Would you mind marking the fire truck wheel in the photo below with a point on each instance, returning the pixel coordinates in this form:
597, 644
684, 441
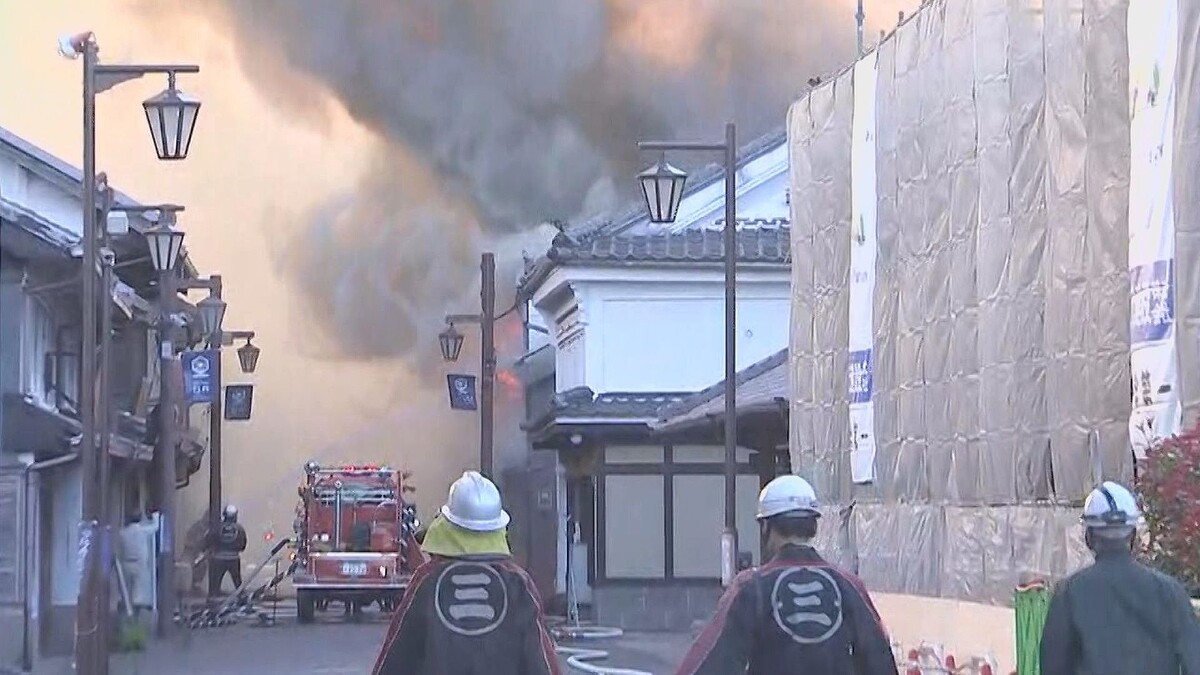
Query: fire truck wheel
306, 606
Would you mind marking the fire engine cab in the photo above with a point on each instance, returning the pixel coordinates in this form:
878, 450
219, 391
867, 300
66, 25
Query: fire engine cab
355, 538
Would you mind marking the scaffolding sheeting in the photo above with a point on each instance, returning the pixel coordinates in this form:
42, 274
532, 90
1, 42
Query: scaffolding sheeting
1000, 360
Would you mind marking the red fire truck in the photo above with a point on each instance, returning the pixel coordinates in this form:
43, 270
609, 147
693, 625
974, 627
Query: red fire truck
354, 538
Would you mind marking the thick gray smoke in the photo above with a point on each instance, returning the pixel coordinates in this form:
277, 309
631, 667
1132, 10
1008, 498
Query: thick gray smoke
517, 112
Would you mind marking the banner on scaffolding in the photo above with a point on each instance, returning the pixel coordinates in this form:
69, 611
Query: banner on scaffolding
863, 211
1153, 51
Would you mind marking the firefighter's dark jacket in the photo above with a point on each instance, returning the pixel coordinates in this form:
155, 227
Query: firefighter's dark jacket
1120, 617
229, 541
421, 640
787, 618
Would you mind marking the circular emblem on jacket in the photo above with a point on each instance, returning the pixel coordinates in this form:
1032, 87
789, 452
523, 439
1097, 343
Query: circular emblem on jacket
806, 603
471, 598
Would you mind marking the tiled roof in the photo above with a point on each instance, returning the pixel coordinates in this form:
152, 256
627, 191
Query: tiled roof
582, 403
759, 241
765, 382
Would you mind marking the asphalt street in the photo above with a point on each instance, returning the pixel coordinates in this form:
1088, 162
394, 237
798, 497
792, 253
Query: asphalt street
334, 645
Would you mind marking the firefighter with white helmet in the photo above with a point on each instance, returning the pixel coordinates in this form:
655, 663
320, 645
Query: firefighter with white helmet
225, 551
1118, 616
797, 613
470, 609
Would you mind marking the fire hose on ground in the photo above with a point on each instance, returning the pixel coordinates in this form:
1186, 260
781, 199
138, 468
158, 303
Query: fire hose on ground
578, 657
571, 628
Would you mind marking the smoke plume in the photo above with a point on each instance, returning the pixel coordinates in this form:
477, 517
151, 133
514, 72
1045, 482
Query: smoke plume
495, 117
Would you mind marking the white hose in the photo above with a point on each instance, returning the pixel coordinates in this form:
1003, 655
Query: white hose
578, 656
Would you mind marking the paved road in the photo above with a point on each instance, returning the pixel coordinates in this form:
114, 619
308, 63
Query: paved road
333, 645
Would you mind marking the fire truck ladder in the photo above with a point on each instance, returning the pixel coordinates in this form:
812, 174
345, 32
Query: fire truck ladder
241, 603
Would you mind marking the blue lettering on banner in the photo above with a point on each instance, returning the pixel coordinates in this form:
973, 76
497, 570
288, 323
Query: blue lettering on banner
1152, 301
860, 376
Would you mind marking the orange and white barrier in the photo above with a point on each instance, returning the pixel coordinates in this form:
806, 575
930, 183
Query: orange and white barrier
931, 659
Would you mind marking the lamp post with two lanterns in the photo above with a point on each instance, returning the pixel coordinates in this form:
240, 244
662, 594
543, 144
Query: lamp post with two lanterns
662, 186
212, 317
171, 117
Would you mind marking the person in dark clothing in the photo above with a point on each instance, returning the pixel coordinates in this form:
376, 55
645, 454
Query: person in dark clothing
1118, 616
225, 551
797, 613
469, 610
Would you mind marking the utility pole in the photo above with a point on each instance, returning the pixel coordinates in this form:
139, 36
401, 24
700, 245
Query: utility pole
452, 342
91, 657
487, 392
729, 537
214, 442
172, 118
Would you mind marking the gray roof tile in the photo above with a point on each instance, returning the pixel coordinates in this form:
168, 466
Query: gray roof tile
761, 383
582, 403
762, 241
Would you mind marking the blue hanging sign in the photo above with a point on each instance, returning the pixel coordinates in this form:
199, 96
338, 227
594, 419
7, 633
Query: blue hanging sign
201, 375
462, 392
239, 399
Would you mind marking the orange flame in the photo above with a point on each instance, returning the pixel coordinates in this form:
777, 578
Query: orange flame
509, 381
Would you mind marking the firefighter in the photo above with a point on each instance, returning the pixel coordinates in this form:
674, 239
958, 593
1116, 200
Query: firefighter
470, 610
1117, 615
225, 551
797, 613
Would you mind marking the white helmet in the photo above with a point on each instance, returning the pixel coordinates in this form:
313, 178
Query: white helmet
231, 512
788, 494
474, 504
1111, 506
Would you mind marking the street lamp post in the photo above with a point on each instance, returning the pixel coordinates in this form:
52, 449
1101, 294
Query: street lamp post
451, 342
91, 652
212, 316
662, 186
212, 313
166, 245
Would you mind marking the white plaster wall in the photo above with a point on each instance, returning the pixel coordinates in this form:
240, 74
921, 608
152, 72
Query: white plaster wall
647, 329
30, 191
52, 200
668, 334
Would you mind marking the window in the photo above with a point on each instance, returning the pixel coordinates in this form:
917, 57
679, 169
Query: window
661, 512
634, 537
37, 343
699, 518
699, 515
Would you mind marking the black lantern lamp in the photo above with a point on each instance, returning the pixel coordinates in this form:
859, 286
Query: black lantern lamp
248, 356
662, 186
172, 118
212, 314
452, 343
165, 244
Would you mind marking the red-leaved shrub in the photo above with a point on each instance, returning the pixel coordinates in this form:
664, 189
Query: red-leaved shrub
1169, 483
